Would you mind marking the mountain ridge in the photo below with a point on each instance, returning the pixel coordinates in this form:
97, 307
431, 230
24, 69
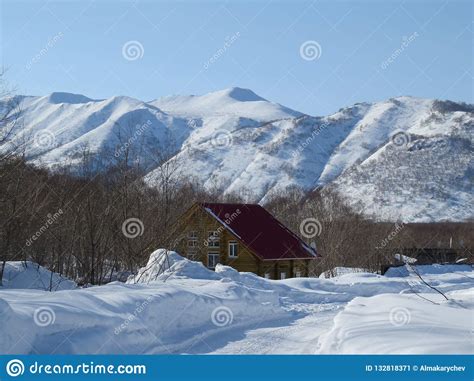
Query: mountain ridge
235, 141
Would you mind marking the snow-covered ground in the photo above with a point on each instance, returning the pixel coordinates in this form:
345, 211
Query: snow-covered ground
29, 275
177, 306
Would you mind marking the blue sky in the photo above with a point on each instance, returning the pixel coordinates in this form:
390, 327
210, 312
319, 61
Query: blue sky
356, 51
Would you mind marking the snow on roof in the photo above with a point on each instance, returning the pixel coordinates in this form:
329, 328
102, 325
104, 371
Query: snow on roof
209, 210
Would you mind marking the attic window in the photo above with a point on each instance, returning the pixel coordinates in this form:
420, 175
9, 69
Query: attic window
192, 234
233, 249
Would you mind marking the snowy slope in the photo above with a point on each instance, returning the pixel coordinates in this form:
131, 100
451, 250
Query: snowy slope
404, 158
190, 309
424, 173
257, 160
58, 128
243, 103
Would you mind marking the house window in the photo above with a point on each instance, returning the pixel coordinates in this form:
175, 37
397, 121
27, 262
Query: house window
282, 275
267, 275
233, 249
213, 239
193, 255
297, 274
212, 260
192, 239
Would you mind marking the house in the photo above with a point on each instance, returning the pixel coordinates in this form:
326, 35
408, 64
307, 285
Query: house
244, 236
426, 256
430, 255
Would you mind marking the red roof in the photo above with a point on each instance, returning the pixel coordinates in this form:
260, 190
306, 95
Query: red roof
260, 231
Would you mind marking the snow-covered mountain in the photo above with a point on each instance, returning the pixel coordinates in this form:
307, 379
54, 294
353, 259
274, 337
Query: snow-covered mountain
57, 129
406, 157
237, 102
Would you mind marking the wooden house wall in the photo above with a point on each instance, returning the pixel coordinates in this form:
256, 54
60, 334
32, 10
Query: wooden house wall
201, 222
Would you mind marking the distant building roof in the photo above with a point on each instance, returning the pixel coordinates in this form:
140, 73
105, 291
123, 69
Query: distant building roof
260, 231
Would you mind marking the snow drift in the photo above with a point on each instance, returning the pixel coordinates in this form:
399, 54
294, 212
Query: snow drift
400, 324
184, 304
29, 275
407, 270
163, 264
174, 305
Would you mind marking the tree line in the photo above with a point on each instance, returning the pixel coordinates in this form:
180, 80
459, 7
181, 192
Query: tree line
96, 226
92, 229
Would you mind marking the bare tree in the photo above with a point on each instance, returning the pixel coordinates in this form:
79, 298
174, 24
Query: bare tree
10, 110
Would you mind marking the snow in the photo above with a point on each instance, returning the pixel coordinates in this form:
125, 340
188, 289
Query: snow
174, 305
233, 101
29, 275
400, 324
337, 271
434, 187
404, 258
352, 149
209, 210
169, 314
60, 97
164, 264
407, 270
58, 127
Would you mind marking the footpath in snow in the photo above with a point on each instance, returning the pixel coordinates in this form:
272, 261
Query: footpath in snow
174, 305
